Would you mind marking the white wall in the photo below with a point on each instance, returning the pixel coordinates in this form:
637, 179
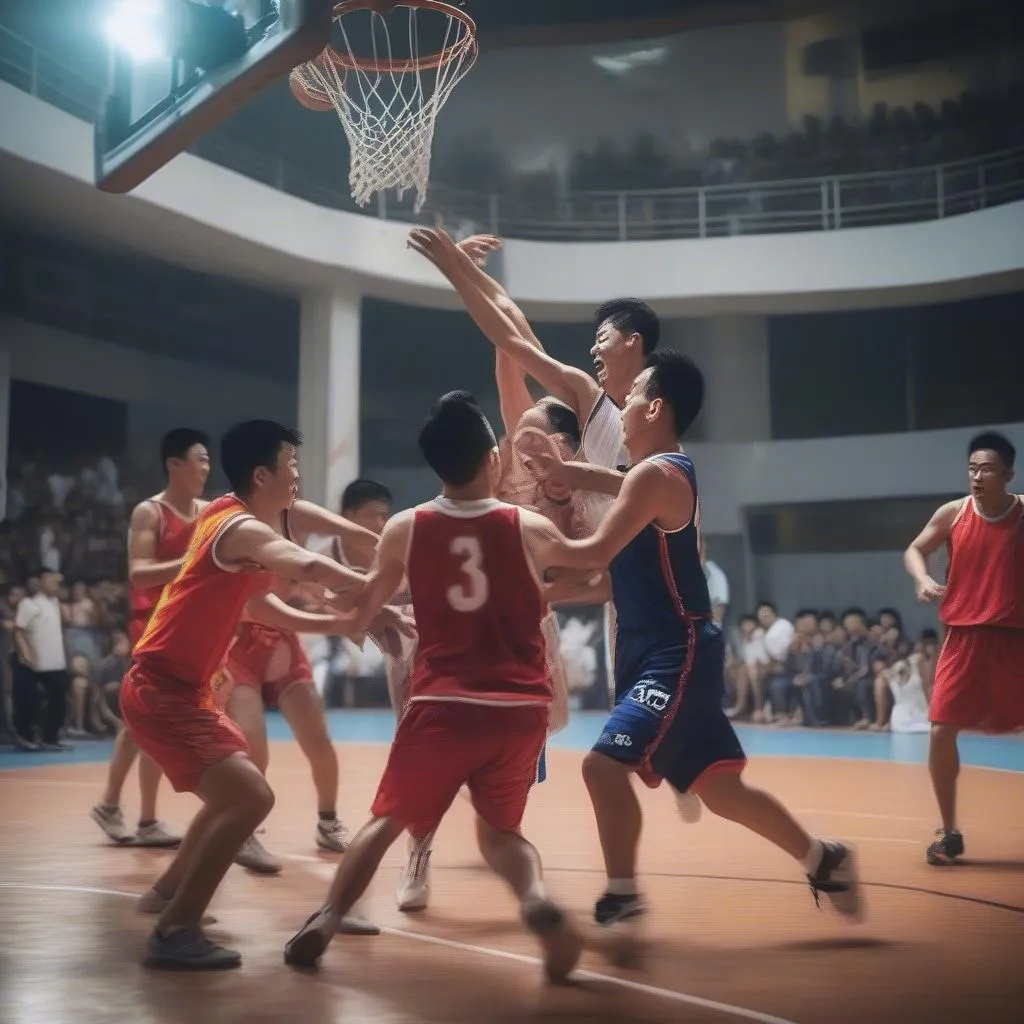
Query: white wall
731, 476
161, 393
865, 579
195, 208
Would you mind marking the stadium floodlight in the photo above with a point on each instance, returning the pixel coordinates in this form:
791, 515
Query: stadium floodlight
203, 36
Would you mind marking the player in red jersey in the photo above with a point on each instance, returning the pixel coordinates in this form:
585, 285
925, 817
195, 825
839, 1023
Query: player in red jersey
167, 696
159, 534
979, 678
480, 691
266, 667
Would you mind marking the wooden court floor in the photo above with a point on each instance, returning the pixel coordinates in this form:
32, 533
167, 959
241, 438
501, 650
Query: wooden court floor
733, 932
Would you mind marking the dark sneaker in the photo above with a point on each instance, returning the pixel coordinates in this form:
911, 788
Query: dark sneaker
612, 909
562, 943
838, 879
946, 848
188, 950
310, 941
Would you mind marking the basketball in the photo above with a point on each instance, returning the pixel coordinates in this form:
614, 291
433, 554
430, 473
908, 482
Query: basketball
306, 95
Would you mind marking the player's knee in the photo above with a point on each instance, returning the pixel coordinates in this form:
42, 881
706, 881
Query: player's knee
943, 734
598, 768
257, 798
722, 793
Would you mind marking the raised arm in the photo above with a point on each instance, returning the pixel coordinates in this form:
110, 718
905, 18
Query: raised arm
925, 544
388, 570
252, 543
574, 387
307, 518
144, 571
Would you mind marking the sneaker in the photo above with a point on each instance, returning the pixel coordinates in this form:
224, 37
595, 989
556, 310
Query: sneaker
562, 943
156, 834
312, 939
111, 820
611, 909
255, 858
414, 889
837, 877
689, 806
331, 835
946, 848
188, 950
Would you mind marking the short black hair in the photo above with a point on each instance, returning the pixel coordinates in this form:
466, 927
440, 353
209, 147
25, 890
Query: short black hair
631, 316
827, 614
177, 442
249, 445
858, 612
361, 492
676, 380
766, 604
562, 419
806, 613
993, 441
456, 438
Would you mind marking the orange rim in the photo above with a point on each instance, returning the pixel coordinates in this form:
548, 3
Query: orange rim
425, 63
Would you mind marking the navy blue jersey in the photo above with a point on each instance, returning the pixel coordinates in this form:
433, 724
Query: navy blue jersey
658, 582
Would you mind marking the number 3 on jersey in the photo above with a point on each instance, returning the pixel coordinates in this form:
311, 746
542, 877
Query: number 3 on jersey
471, 594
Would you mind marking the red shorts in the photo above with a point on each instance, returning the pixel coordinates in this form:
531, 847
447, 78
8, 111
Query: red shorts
179, 726
270, 660
441, 746
979, 679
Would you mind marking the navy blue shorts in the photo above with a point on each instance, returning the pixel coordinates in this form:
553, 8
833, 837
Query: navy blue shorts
668, 721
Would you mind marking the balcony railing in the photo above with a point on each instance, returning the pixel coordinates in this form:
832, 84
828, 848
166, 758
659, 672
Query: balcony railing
712, 211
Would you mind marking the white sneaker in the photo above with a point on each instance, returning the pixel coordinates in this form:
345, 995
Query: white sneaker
414, 890
689, 806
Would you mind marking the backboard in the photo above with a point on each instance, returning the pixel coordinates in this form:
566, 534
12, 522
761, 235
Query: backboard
225, 52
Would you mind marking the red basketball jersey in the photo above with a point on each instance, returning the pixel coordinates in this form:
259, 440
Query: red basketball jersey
193, 623
172, 543
478, 606
985, 585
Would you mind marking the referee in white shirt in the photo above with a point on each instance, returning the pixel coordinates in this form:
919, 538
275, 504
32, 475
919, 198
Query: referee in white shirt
41, 693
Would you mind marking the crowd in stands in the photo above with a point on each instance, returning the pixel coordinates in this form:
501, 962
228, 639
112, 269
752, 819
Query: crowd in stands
66, 531
825, 670
888, 139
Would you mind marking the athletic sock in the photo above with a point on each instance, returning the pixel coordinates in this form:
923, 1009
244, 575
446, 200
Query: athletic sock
812, 861
621, 887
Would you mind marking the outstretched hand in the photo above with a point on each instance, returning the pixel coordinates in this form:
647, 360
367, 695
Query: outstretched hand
540, 454
437, 246
479, 247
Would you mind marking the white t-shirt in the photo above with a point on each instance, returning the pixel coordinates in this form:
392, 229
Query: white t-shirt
718, 584
39, 618
777, 638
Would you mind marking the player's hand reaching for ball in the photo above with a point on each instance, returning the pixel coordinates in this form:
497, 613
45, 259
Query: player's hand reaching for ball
928, 591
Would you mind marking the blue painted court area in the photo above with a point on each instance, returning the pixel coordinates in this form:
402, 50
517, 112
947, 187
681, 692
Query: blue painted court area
378, 726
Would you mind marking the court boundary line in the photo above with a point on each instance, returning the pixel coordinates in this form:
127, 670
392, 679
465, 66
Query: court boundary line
671, 995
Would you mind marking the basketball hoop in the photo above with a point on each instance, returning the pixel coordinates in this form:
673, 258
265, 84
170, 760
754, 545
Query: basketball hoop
388, 102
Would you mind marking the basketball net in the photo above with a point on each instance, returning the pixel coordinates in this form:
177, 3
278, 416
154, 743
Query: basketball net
388, 104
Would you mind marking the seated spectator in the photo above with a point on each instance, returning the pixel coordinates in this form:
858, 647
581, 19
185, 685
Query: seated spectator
778, 635
111, 671
788, 678
748, 672
910, 704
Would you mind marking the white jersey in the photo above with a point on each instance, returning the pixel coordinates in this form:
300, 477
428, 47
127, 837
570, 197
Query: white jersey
602, 446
